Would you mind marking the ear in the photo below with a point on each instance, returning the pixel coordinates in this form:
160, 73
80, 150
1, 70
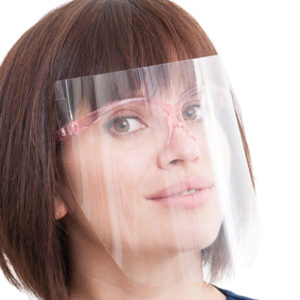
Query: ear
60, 208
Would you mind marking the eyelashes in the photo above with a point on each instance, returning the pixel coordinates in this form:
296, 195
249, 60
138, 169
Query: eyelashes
121, 126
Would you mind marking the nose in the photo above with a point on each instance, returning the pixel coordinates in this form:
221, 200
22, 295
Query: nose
181, 148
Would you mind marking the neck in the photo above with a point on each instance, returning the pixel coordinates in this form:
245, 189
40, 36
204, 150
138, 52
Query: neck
95, 275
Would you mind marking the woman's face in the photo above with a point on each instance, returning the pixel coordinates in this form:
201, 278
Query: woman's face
117, 165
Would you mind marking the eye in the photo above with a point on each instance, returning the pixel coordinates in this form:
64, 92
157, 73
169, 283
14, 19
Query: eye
193, 112
124, 125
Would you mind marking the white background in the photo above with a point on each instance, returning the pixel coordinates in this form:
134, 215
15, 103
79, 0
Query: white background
259, 41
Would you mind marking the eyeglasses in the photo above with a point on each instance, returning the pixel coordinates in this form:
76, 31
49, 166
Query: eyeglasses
144, 113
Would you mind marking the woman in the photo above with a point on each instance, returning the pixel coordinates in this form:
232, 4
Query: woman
117, 172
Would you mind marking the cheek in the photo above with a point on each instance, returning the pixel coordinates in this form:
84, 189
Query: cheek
128, 172
85, 167
226, 151
107, 186
220, 153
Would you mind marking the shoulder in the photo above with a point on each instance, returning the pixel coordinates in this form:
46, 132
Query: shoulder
232, 296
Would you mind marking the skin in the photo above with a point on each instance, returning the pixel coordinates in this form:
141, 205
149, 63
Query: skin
160, 247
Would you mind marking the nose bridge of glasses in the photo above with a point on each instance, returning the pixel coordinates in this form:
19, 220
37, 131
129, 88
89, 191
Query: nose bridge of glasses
174, 118
171, 111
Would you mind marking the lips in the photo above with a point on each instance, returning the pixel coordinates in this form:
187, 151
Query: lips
197, 183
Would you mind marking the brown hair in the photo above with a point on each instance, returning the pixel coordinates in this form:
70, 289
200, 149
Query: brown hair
84, 37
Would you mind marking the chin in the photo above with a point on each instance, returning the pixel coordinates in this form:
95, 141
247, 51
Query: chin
197, 242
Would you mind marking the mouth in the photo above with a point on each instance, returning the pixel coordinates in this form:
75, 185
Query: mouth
185, 194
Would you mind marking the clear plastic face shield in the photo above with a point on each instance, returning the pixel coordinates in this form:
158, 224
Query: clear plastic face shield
155, 162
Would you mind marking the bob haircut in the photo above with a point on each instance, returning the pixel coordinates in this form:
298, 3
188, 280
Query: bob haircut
81, 38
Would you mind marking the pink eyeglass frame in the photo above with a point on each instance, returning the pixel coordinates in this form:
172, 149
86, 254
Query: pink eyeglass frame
173, 113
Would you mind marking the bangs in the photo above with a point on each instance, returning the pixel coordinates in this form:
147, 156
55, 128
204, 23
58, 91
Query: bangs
110, 36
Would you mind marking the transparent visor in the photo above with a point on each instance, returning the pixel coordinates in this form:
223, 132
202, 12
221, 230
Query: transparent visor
155, 164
